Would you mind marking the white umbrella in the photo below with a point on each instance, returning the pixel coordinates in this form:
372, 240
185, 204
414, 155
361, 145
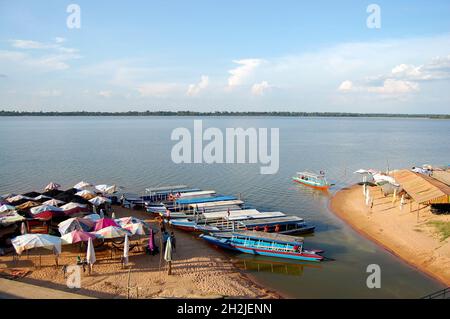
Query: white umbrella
106, 189
72, 205
82, 185
23, 228
111, 232
135, 229
53, 202
16, 198
93, 217
127, 220
29, 241
44, 208
97, 201
74, 223
90, 254
42, 197
168, 252
6, 208
126, 248
113, 215
85, 192
52, 186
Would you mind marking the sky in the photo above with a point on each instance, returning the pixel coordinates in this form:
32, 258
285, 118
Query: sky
227, 55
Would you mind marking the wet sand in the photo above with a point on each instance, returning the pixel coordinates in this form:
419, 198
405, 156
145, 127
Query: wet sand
198, 271
397, 230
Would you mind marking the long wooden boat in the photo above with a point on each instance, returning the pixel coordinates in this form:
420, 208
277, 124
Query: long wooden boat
313, 180
264, 244
244, 220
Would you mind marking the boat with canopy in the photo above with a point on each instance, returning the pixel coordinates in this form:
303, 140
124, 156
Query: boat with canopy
313, 180
264, 244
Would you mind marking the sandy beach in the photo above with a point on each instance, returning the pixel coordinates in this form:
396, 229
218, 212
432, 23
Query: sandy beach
198, 271
413, 239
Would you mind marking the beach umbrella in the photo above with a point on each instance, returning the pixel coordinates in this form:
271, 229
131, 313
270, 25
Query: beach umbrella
106, 189
126, 249
30, 241
73, 208
28, 204
92, 217
135, 229
90, 254
42, 198
44, 208
99, 200
104, 222
86, 194
23, 229
6, 208
72, 224
46, 211
77, 236
53, 202
82, 185
17, 198
168, 252
111, 232
127, 220
52, 186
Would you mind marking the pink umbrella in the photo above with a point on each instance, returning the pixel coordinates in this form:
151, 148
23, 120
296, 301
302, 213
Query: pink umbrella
77, 236
103, 223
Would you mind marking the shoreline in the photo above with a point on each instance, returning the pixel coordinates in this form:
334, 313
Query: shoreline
198, 271
381, 232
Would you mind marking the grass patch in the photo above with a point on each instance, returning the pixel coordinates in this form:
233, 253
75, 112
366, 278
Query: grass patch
443, 228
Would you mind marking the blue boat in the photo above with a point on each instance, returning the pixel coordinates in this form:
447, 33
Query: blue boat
199, 200
264, 244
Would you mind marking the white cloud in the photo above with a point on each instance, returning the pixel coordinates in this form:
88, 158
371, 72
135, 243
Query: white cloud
194, 89
392, 86
260, 88
105, 94
48, 57
49, 93
239, 74
157, 89
29, 44
60, 40
346, 86
402, 79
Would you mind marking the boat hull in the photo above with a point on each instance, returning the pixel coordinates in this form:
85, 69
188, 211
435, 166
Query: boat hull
303, 182
223, 243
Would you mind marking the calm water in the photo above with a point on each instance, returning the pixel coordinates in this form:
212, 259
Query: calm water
135, 153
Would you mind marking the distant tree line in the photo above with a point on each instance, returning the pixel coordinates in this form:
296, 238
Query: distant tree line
221, 113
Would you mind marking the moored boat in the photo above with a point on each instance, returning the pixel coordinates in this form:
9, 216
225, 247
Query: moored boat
264, 244
313, 180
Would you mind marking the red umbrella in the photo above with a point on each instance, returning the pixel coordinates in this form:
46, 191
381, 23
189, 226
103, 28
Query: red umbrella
104, 222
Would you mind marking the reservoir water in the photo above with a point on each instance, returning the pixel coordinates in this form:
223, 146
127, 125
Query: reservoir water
135, 152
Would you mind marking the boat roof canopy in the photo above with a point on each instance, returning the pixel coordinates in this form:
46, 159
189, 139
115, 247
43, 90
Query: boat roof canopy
278, 238
165, 188
309, 174
218, 203
188, 201
283, 220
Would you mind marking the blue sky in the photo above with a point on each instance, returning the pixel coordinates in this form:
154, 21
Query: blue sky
226, 55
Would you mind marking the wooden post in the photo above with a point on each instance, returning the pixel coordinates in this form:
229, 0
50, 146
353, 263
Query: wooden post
128, 284
160, 248
169, 272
